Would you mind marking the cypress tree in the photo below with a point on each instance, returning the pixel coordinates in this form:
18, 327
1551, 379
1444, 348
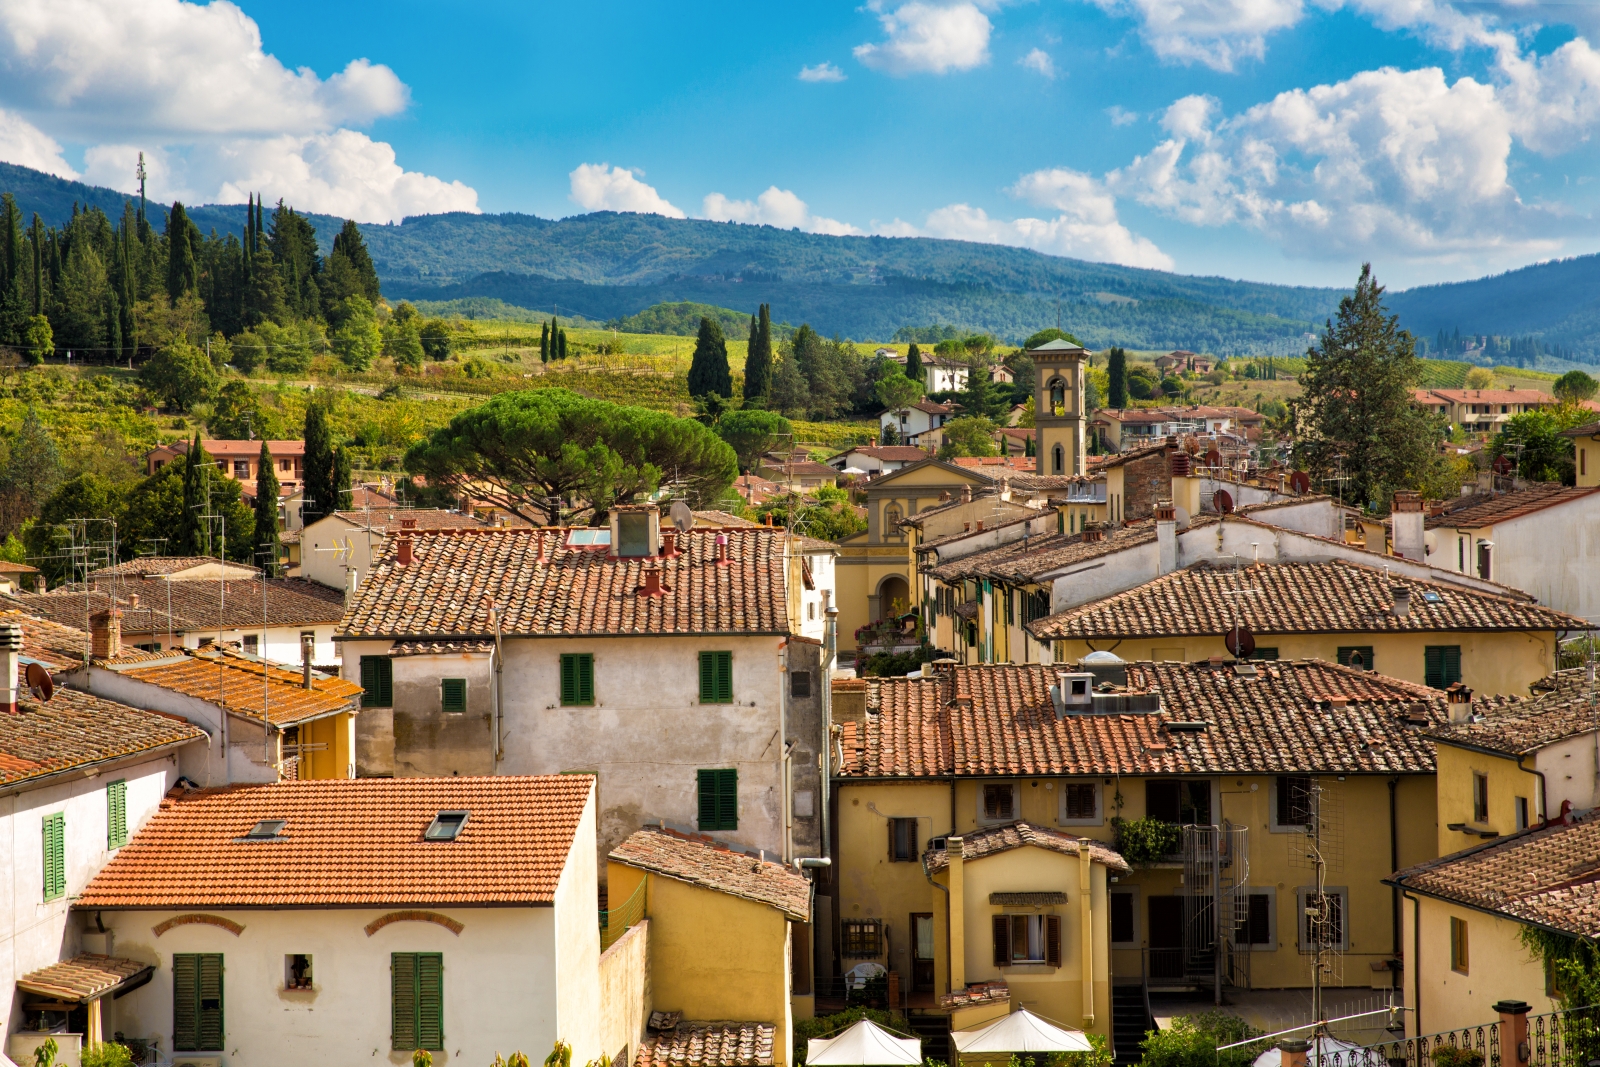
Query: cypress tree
11, 222
113, 325
1117, 372
319, 496
708, 370
341, 474
563, 345
267, 543
38, 265
758, 359
194, 528
544, 342
350, 244
914, 363
182, 270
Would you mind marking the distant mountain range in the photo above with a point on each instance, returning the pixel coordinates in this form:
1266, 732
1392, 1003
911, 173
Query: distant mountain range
607, 266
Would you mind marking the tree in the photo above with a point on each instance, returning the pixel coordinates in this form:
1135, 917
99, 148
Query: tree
190, 526
968, 436
561, 344
402, 342
1481, 378
437, 341
895, 391
34, 470
1533, 441
236, 413
341, 475
1356, 412
358, 340
752, 433
1044, 337
349, 245
88, 496
789, 389
533, 451
266, 527
708, 370
1575, 387
183, 269
544, 342
180, 374
758, 358
980, 399
914, 363
1117, 378
320, 499
38, 339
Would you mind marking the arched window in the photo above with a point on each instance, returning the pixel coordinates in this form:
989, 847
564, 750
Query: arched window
1058, 397
1057, 460
891, 519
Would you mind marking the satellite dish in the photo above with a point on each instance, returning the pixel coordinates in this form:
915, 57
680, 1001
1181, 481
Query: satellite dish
1502, 466
1213, 458
682, 516
1222, 500
1240, 641
39, 680
1300, 482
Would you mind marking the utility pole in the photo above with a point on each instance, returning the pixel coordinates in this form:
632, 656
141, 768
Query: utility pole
140, 172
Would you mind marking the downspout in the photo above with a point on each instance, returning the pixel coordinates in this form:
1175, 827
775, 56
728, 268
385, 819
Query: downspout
1544, 804
786, 751
1416, 961
1394, 862
830, 637
946, 891
1086, 930
497, 663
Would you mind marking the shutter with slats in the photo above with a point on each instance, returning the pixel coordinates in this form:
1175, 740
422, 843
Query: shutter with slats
117, 813
725, 677
403, 979
430, 1000
1452, 664
210, 989
707, 784
453, 694
569, 679
1441, 665
53, 833
586, 679
1001, 927
185, 1001
1052, 940
728, 800
708, 677
377, 682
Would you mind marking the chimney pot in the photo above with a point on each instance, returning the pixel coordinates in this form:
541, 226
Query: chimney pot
105, 633
1402, 601
980, 525
652, 582
408, 522
966, 494
10, 650
307, 650
722, 549
402, 551
669, 543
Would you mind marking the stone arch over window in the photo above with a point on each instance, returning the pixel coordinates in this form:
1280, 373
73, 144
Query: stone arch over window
1058, 460
894, 596
1058, 396
891, 519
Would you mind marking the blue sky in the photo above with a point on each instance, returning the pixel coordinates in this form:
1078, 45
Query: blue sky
1278, 140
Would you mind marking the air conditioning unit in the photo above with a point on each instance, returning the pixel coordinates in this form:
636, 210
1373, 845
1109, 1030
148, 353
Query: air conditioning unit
189, 1059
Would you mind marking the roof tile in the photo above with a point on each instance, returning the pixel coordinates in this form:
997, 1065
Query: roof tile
703, 862
980, 843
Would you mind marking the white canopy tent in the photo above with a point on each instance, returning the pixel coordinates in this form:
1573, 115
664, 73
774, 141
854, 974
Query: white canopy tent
864, 1043
1021, 1031
1334, 1050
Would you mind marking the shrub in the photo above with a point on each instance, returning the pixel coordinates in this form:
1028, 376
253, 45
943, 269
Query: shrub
1451, 1056
109, 1054
1192, 1040
1146, 840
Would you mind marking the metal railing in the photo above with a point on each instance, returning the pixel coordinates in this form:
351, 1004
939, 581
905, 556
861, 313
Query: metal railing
614, 922
1557, 1039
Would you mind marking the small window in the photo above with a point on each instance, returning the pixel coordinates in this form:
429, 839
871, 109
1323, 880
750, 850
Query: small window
1124, 918
266, 830
1322, 919
1080, 801
1480, 798
1180, 802
1255, 922
377, 682
718, 799
1295, 795
1027, 939
241, 468
117, 813
297, 971
589, 538
716, 677
902, 840
446, 826
1357, 656
453, 694
577, 678
999, 802
1441, 665
252, 644
861, 938
1458, 945
1522, 813
800, 685
54, 832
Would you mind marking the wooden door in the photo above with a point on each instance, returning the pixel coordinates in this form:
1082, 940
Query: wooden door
1166, 936
922, 952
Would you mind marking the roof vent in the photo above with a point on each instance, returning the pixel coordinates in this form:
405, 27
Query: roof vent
446, 826
1417, 715
1106, 667
1402, 601
266, 830
1073, 693
1094, 532
408, 522
722, 549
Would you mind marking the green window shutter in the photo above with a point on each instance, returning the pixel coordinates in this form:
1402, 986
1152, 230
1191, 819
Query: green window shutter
185, 1001
716, 677
377, 681
1441, 665
211, 1031
453, 694
577, 678
728, 799
1348, 652
53, 833
1452, 664
117, 813
585, 678
403, 979
707, 793
430, 1000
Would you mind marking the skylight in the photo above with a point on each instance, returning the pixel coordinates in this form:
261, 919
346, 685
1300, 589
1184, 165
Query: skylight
446, 826
266, 830
1430, 596
588, 538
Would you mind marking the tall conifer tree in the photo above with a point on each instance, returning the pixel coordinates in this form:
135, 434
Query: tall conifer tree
914, 363
183, 272
708, 370
544, 342
1117, 372
267, 543
758, 359
320, 499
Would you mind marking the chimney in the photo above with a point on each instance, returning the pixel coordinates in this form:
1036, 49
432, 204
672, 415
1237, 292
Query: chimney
402, 551
1458, 702
352, 581
1180, 464
980, 525
1402, 601
133, 600
10, 650
1172, 440
1093, 531
1166, 537
722, 549
652, 582
966, 494
105, 633
1405, 525
408, 522
669, 542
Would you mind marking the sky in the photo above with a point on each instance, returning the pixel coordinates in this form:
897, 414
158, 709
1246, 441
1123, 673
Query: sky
1274, 140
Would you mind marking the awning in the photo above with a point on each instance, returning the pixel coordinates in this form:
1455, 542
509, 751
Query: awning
1021, 1031
85, 978
864, 1043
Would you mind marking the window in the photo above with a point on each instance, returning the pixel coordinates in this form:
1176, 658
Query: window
1480, 798
891, 519
418, 1001
1178, 801
633, 534
1441, 665
241, 468
1255, 917
589, 538
1080, 802
577, 678
446, 826
196, 1001
1357, 656
1057, 460
297, 971
285, 464
1322, 920
54, 832
902, 840
377, 682
1264, 652
452, 694
716, 677
719, 799
999, 802
1293, 802
1522, 813
1027, 939
800, 685
861, 938
117, 813
266, 830
1124, 918
1458, 945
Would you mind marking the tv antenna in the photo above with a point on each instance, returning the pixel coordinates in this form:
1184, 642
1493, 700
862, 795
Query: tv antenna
140, 173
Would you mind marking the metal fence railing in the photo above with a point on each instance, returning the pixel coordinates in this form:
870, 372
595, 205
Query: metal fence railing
614, 922
1558, 1039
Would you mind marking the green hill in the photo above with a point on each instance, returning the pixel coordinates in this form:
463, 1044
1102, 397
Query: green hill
683, 319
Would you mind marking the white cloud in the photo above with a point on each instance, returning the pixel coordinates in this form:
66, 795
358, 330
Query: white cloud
775, 207
1040, 62
929, 38
1218, 33
822, 72
25, 144
1121, 116
602, 187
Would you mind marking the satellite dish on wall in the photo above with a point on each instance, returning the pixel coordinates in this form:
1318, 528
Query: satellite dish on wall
1300, 482
682, 516
39, 680
1240, 641
1222, 500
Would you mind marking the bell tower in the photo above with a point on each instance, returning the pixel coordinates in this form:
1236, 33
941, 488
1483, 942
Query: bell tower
1058, 416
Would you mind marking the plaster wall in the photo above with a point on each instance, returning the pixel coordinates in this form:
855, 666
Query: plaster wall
1498, 968
1553, 553
1457, 769
429, 741
626, 999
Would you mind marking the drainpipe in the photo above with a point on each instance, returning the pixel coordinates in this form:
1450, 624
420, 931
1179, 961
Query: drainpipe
946, 891
1086, 929
958, 912
1415, 966
830, 637
1394, 861
497, 661
1544, 803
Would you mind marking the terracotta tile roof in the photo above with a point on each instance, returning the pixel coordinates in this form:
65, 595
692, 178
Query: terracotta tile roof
977, 993
444, 591
7, 567
1494, 396
439, 648
244, 685
888, 453
74, 729
390, 519
998, 466
56, 646
720, 1044
1549, 877
1588, 429
1023, 560
997, 720
1519, 726
1333, 596
701, 861
726, 518
980, 843
82, 978
350, 841
143, 565
196, 605
1472, 513
929, 407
